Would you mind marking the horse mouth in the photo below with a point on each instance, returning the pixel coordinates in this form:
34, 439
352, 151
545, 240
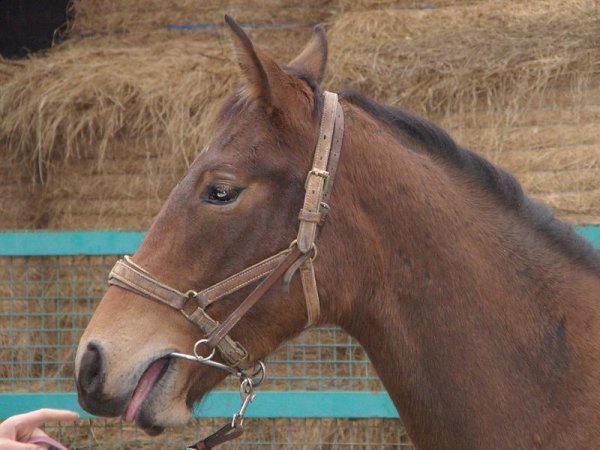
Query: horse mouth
144, 388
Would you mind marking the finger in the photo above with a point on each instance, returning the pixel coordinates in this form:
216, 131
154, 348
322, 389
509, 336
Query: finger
36, 418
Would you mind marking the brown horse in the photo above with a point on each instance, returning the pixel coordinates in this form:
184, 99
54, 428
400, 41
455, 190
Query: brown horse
479, 310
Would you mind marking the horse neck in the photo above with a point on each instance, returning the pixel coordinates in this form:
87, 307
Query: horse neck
468, 317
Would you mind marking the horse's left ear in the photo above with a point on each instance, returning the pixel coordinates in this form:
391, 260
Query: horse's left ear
263, 76
313, 58
264, 79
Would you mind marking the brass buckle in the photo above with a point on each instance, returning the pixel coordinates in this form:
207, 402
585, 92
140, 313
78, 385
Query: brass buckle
319, 173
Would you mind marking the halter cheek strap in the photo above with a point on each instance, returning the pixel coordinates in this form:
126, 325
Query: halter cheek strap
319, 183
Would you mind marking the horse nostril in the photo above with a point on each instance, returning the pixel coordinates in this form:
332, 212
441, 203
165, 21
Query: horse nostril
91, 371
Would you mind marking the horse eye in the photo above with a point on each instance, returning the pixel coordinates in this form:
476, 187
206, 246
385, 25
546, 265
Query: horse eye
221, 194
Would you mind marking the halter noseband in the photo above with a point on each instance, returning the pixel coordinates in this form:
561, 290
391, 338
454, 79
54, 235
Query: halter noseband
298, 256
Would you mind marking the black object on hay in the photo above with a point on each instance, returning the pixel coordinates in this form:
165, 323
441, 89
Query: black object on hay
27, 26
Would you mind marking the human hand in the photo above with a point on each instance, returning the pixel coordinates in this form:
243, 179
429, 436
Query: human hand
22, 432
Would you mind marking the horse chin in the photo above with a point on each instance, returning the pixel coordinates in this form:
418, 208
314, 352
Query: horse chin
161, 409
155, 416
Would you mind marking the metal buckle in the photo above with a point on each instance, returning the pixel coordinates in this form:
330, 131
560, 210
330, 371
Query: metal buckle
318, 173
191, 295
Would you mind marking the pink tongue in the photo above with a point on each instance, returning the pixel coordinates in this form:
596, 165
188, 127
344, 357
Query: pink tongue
143, 388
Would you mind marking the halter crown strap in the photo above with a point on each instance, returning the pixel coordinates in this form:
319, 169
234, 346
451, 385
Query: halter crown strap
319, 184
318, 177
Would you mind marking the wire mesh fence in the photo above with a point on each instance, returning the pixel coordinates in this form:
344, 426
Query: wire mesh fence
47, 301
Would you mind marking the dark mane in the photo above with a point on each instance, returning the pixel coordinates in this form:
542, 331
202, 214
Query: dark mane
497, 181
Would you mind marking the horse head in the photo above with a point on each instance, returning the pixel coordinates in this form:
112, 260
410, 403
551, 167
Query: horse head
237, 204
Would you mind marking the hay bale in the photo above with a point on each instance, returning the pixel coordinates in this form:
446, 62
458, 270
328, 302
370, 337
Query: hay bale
113, 99
87, 93
345, 6
143, 101
21, 202
90, 92
115, 16
451, 59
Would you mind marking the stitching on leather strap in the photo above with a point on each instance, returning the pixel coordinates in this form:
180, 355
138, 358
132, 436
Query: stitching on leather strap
245, 283
127, 262
273, 260
127, 281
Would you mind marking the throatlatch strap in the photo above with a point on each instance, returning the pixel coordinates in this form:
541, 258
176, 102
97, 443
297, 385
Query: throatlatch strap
311, 294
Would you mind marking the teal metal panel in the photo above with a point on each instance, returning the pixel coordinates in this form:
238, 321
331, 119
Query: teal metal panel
113, 242
302, 404
61, 243
591, 233
268, 404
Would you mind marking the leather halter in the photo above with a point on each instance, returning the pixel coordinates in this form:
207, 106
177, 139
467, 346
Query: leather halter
300, 255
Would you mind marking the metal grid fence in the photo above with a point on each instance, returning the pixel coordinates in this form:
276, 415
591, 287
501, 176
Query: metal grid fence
46, 302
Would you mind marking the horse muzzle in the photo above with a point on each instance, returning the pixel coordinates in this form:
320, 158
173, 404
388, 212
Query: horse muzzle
90, 380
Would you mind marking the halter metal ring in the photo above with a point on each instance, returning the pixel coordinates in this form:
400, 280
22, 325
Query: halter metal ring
259, 374
191, 293
203, 358
315, 252
314, 248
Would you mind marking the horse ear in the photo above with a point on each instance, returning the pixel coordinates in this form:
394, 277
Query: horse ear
262, 73
313, 58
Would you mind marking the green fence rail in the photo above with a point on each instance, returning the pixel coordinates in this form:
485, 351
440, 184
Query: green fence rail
268, 404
